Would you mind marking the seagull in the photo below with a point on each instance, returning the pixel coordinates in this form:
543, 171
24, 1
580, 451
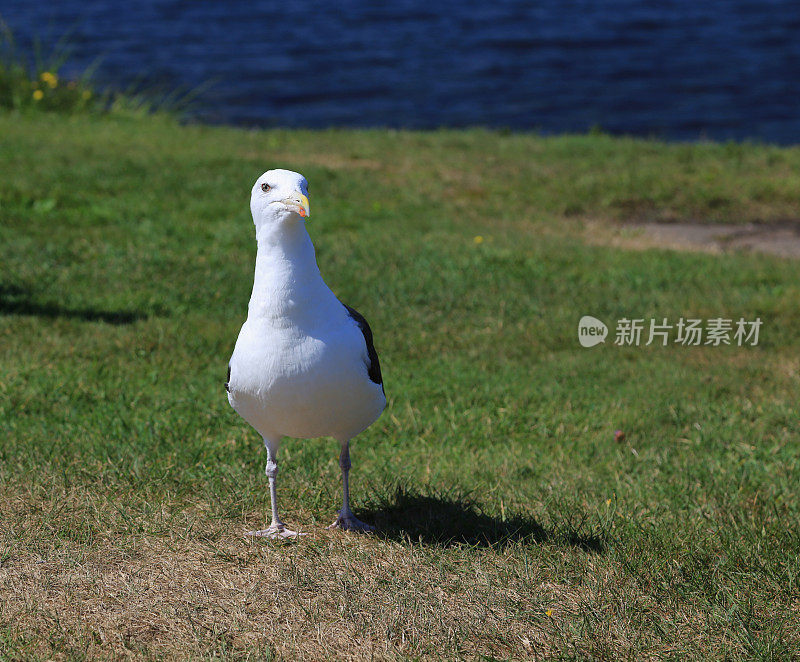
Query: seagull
304, 364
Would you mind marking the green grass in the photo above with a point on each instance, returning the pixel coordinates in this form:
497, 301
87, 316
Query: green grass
32, 81
512, 524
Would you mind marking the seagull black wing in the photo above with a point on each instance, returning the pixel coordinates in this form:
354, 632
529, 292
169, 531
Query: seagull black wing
374, 366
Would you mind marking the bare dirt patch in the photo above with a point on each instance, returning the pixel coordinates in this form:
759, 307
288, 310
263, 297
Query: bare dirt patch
781, 239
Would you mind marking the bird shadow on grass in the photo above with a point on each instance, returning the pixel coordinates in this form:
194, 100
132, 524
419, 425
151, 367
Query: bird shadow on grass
16, 300
451, 520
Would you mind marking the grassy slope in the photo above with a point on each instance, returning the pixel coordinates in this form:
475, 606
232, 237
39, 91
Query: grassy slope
126, 253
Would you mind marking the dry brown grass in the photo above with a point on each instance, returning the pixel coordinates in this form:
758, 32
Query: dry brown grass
205, 591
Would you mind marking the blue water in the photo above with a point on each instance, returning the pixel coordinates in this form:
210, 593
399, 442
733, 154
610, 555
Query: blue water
677, 69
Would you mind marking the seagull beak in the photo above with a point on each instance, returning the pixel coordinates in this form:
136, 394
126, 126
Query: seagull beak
300, 202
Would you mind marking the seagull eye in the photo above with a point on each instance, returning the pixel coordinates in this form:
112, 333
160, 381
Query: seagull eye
265, 187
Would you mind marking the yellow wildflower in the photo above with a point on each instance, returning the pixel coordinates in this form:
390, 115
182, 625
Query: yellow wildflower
37, 95
86, 94
549, 612
49, 78
478, 239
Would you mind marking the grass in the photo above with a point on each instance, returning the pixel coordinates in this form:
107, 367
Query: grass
32, 81
512, 524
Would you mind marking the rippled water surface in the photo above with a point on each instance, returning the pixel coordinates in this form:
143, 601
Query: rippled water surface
678, 69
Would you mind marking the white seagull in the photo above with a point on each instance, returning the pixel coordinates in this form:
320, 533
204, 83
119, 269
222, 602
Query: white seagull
304, 364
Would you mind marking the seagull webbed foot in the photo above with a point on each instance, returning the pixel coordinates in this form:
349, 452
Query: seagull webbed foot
275, 532
349, 522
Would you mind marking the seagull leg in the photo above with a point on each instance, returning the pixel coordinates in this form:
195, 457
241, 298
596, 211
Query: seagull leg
277, 529
346, 520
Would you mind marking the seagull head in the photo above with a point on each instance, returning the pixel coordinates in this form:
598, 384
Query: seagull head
279, 196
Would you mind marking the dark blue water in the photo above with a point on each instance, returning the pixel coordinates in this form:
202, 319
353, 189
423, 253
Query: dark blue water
678, 69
